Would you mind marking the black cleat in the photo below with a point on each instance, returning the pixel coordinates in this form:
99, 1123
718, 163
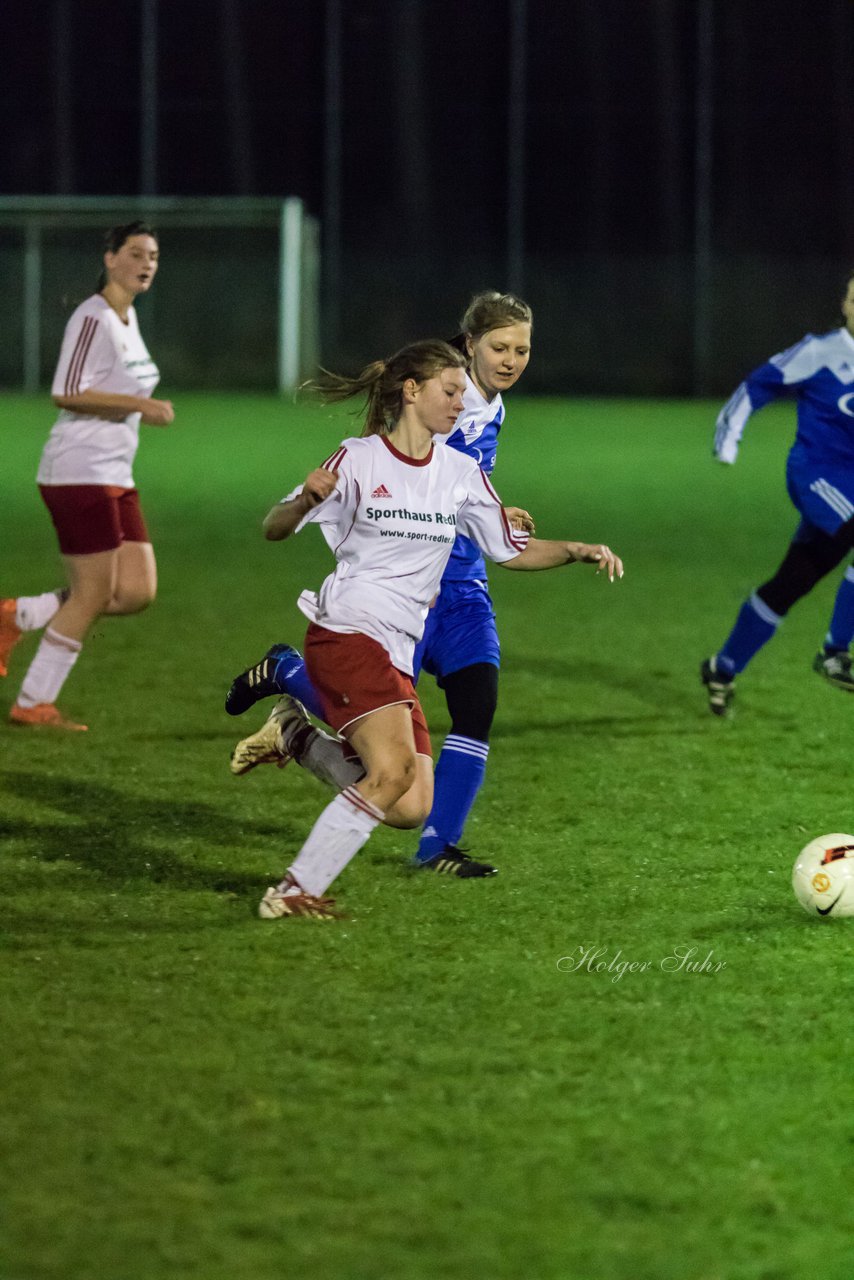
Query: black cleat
721, 690
836, 669
453, 862
258, 682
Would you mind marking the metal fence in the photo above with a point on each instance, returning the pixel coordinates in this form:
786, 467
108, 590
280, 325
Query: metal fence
236, 306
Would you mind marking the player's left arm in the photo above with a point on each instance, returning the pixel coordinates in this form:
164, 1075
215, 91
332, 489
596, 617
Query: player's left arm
483, 519
547, 554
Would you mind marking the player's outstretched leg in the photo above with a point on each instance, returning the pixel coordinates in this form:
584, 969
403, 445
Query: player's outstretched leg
258, 681
279, 739
281, 670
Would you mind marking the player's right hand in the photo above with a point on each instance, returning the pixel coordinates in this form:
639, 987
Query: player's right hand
158, 413
318, 485
520, 519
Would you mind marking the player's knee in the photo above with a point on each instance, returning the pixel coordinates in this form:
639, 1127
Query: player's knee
410, 812
392, 778
844, 537
804, 565
134, 600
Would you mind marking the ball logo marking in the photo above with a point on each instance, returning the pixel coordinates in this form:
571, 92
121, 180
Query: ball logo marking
821, 882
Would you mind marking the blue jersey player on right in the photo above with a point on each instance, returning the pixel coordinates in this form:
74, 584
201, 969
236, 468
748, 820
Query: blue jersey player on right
818, 373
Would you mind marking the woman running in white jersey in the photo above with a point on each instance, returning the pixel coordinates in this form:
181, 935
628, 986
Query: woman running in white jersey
103, 385
389, 505
460, 646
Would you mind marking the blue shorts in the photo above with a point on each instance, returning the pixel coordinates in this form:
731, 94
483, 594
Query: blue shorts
460, 631
823, 492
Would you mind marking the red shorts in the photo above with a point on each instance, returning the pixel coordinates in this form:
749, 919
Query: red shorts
354, 676
94, 517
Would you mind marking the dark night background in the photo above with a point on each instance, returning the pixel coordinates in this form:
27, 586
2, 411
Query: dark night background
642, 278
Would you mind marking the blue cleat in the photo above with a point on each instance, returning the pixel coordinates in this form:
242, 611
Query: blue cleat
266, 679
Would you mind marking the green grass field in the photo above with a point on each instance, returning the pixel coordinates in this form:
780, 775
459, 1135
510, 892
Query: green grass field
425, 1091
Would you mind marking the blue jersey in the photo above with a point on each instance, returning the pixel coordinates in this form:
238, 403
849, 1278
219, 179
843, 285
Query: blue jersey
475, 434
818, 373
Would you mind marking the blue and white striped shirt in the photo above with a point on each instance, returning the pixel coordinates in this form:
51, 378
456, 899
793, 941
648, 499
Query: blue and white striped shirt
476, 435
818, 373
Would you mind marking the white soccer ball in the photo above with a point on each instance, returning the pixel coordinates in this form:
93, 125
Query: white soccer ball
823, 876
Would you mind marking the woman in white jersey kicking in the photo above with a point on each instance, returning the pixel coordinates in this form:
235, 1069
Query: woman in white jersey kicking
460, 646
103, 385
389, 505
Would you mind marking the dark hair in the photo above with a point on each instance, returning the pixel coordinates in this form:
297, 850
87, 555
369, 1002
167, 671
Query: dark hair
491, 310
116, 237
381, 383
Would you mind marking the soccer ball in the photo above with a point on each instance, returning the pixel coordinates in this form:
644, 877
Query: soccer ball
823, 876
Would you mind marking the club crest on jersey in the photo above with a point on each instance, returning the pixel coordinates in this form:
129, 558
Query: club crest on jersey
381, 492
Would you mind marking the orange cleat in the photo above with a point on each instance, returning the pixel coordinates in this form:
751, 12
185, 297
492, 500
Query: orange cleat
44, 716
10, 633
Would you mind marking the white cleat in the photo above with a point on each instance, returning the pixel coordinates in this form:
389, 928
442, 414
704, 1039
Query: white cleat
279, 904
277, 741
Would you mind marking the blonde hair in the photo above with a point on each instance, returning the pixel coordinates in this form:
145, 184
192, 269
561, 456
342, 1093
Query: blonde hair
491, 310
381, 383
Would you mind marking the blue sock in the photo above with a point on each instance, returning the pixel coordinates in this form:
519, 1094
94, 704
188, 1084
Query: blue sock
841, 630
754, 627
291, 676
459, 776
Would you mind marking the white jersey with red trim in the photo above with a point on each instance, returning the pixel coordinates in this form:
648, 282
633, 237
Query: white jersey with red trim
391, 523
99, 353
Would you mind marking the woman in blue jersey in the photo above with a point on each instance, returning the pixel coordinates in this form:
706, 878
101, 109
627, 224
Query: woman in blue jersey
818, 373
460, 645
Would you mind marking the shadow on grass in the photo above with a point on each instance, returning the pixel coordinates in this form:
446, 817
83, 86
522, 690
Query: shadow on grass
120, 835
656, 687
602, 726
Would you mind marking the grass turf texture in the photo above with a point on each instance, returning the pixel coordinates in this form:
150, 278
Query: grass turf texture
424, 1090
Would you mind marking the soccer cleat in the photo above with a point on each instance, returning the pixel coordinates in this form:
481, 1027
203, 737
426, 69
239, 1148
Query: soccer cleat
720, 690
451, 861
281, 737
836, 669
278, 904
259, 681
10, 633
44, 716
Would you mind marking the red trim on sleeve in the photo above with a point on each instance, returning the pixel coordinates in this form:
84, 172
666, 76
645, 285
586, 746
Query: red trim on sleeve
513, 538
333, 462
79, 354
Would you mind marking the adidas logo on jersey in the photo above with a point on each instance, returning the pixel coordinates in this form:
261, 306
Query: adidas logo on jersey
381, 492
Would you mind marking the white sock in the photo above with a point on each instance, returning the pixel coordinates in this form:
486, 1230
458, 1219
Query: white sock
34, 612
335, 839
49, 669
324, 757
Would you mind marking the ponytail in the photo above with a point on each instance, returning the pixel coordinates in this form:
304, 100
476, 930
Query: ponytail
381, 382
